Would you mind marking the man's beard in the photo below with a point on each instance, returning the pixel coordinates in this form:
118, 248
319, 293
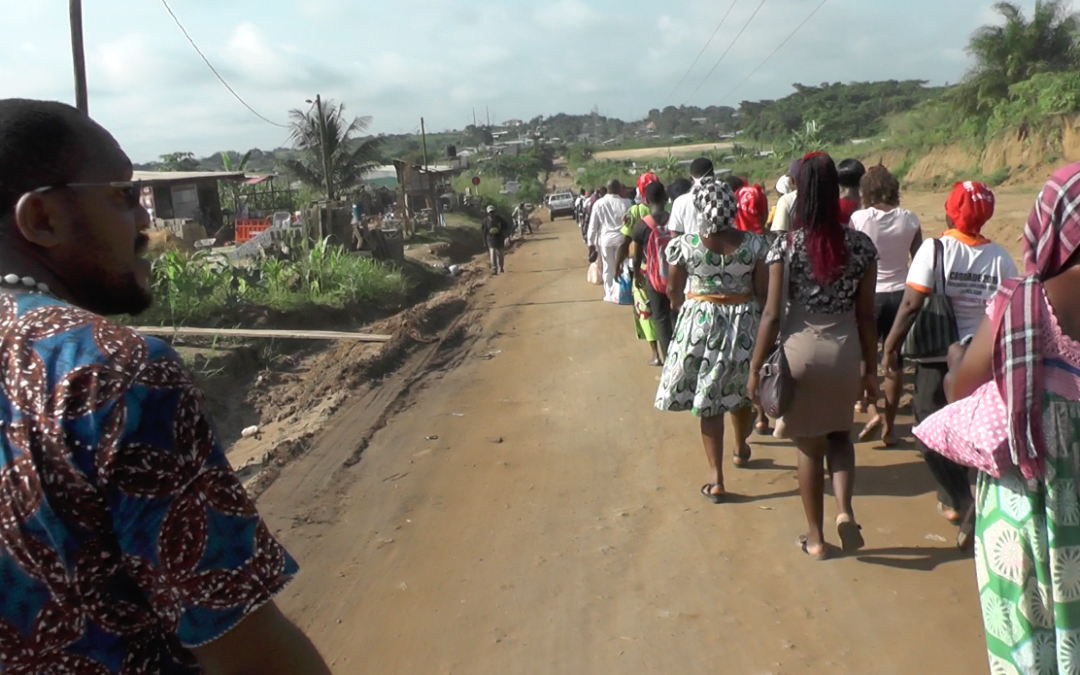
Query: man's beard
119, 295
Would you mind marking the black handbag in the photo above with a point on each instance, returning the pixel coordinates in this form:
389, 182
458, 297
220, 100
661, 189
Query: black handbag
776, 387
935, 329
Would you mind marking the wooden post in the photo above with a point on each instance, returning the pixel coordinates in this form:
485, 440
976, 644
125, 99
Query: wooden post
322, 144
423, 140
78, 56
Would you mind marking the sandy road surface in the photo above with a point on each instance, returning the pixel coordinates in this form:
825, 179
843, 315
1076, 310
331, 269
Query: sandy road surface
555, 525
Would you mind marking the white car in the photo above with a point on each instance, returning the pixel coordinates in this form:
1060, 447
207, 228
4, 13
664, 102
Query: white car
561, 204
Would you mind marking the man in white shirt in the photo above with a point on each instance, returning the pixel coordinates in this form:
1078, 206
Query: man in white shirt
605, 231
685, 218
785, 208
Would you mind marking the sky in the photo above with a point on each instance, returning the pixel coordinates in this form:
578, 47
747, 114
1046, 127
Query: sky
400, 60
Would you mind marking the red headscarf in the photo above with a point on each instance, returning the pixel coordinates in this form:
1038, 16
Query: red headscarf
970, 206
643, 182
1051, 237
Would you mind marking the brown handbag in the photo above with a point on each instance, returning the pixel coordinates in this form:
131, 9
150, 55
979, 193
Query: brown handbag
776, 387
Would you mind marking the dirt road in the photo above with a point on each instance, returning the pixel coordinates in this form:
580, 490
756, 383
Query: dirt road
525, 510
653, 153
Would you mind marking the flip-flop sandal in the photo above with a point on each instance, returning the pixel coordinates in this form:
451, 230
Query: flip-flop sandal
741, 460
803, 545
707, 492
965, 539
851, 538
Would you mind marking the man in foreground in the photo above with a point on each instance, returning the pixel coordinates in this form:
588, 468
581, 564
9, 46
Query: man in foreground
128, 543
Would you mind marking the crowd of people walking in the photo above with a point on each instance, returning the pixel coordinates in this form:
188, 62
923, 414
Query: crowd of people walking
792, 311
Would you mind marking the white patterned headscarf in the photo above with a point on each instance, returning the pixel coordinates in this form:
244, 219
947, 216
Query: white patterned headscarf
717, 203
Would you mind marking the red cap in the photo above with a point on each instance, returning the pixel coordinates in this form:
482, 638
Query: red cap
970, 206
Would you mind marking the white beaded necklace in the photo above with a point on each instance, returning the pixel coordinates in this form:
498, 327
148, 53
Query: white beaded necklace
29, 282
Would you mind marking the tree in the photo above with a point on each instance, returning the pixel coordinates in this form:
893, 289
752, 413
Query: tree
333, 158
232, 188
179, 161
1018, 50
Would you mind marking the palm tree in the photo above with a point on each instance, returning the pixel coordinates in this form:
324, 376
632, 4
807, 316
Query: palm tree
1018, 50
332, 157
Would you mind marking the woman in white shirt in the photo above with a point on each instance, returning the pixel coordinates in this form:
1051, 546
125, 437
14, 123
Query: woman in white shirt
897, 234
973, 268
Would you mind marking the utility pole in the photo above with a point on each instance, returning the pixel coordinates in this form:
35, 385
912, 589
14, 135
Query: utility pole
322, 147
79, 56
488, 116
423, 140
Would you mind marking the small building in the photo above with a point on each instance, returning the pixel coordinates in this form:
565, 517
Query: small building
185, 195
421, 186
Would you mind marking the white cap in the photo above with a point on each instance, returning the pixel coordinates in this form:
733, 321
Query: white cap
784, 186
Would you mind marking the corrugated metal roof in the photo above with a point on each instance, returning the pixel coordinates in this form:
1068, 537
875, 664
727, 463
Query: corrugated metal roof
185, 176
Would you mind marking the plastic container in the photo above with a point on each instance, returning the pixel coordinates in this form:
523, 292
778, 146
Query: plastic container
248, 228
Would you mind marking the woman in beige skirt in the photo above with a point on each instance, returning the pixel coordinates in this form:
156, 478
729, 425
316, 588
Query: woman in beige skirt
828, 335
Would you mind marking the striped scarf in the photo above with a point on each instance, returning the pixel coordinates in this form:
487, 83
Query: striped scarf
1051, 237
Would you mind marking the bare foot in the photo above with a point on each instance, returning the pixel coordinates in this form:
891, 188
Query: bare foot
948, 513
871, 429
816, 552
742, 457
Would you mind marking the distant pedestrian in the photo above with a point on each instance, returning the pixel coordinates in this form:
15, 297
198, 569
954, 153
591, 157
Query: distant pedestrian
785, 206
605, 234
708, 363
783, 187
828, 273
897, 235
496, 230
644, 320
685, 218
850, 172
646, 242
967, 268
753, 208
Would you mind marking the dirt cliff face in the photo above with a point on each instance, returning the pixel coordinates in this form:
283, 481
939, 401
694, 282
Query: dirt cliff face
1027, 157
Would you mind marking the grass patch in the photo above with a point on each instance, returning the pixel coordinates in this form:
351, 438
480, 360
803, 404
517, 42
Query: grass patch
192, 289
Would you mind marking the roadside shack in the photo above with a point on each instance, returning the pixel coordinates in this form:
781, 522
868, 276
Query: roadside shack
184, 201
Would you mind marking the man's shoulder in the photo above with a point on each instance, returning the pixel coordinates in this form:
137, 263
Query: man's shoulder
74, 335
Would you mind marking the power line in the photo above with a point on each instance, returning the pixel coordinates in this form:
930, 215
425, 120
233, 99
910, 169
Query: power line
702, 52
775, 51
214, 70
724, 55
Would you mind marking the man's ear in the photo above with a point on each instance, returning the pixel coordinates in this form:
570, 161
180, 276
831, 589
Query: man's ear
36, 216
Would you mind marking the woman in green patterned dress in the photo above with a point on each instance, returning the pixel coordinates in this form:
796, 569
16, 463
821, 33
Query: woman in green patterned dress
708, 367
1027, 541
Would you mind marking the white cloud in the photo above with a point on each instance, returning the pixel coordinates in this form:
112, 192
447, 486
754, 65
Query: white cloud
125, 63
566, 15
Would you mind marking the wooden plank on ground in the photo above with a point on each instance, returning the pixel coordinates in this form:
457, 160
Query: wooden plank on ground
167, 331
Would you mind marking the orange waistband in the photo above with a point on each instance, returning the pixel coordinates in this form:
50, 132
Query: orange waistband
723, 299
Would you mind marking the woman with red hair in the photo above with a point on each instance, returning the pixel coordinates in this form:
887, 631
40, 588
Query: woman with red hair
829, 274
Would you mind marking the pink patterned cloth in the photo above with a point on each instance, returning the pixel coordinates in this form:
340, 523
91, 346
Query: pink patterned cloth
973, 432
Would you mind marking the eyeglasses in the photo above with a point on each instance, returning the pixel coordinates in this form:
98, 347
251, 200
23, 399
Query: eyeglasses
131, 191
